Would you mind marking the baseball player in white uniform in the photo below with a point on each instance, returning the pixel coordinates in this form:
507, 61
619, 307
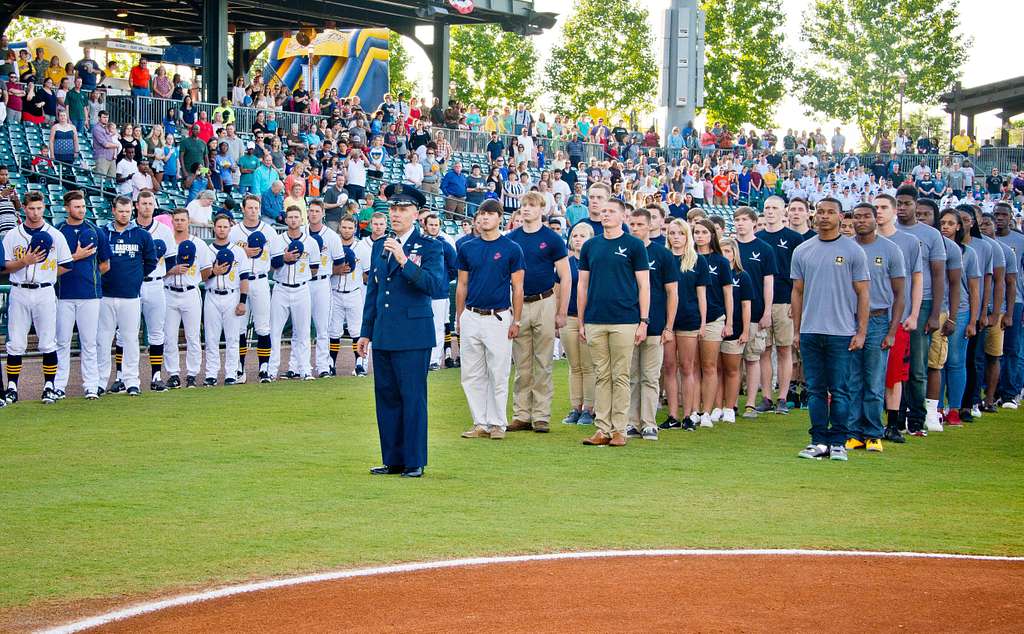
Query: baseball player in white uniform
295, 258
40, 253
133, 257
184, 305
154, 300
78, 296
332, 257
258, 260
224, 308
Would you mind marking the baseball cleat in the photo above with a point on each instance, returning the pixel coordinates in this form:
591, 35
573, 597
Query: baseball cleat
360, 370
91, 396
229, 381
209, 382
290, 375
49, 396
240, 377
133, 391
190, 382
323, 375
100, 391
174, 382
307, 377
11, 396
264, 377
117, 387
157, 386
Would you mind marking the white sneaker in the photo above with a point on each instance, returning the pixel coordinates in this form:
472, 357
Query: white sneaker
729, 415
932, 422
1010, 404
695, 417
975, 412
705, 421
716, 415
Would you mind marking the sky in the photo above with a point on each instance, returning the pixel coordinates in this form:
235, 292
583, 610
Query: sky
993, 24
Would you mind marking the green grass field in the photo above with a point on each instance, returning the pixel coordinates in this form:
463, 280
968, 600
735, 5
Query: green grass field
198, 487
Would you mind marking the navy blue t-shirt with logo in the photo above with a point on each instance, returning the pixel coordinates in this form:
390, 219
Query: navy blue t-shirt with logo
490, 264
612, 292
784, 241
758, 259
720, 272
664, 270
688, 313
742, 291
541, 249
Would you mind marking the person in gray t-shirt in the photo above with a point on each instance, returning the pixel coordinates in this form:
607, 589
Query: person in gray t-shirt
830, 304
965, 314
868, 365
1011, 378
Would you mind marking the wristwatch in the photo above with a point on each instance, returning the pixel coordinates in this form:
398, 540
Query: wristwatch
645, 320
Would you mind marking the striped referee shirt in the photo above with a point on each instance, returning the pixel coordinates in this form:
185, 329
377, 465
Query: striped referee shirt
511, 192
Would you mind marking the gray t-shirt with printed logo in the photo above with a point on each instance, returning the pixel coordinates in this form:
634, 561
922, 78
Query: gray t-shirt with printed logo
885, 263
828, 270
932, 250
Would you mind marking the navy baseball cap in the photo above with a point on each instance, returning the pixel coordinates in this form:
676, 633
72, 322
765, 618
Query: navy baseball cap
41, 241
160, 247
257, 240
87, 237
399, 194
187, 253
318, 239
225, 255
350, 257
296, 246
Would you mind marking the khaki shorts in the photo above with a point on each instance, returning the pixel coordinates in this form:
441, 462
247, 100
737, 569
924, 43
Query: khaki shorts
755, 346
691, 334
994, 341
732, 347
939, 348
713, 331
781, 331
106, 168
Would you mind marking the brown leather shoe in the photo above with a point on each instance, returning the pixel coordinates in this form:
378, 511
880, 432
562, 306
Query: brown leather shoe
541, 427
518, 425
618, 440
597, 439
497, 433
476, 432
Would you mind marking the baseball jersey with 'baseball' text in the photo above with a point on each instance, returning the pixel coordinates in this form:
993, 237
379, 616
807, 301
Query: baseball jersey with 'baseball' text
132, 258
238, 271
16, 245
259, 265
298, 271
193, 275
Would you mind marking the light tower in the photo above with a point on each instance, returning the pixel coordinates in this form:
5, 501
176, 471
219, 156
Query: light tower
682, 67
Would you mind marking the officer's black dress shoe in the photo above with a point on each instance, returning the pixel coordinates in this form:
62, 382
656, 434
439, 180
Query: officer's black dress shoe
416, 472
387, 470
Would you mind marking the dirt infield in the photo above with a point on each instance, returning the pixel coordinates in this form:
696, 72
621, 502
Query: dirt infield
631, 594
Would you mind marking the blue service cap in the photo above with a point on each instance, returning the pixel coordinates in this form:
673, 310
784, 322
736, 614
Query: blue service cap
399, 194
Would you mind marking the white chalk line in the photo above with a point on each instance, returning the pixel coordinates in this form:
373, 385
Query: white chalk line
228, 591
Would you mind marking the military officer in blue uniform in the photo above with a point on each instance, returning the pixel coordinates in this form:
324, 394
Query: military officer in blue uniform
406, 270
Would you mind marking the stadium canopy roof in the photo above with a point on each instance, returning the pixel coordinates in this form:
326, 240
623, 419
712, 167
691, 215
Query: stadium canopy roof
1007, 96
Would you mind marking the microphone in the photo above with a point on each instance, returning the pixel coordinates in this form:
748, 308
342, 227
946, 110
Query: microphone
393, 235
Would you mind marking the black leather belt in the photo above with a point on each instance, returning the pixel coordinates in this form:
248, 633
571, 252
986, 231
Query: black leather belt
539, 296
261, 276
338, 290
33, 286
299, 285
320, 277
487, 311
177, 289
219, 292
152, 279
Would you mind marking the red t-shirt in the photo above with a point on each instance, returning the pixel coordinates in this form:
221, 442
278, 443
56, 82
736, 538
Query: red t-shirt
721, 183
139, 77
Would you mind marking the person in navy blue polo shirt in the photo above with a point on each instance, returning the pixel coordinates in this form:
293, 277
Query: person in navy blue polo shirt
78, 296
546, 264
406, 270
613, 295
488, 309
132, 257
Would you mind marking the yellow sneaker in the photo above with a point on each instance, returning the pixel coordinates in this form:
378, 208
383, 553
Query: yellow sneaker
875, 444
853, 443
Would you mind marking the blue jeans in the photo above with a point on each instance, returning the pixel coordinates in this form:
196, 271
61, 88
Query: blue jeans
827, 370
980, 362
140, 92
867, 382
954, 374
914, 387
1010, 376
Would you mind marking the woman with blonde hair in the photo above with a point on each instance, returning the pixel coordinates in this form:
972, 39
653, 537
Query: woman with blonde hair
733, 344
297, 196
681, 354
581, 367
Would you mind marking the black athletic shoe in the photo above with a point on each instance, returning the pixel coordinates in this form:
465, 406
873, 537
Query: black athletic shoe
229, 381
49, 396
689, 424
173, 383
157, 386
433, 367
671, 423
893, 435
291, 375
449, 363
117, 387
264, 377
190, 382
60, 394
323, 375
91, 395
133, 391
633, 432
11, 396
210, 382
100, 392
360, 370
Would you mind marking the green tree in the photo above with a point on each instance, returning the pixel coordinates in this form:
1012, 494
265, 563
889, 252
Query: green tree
603, 58
747, 67
398, 67
860, 50
490, 66
923, 122
24, 28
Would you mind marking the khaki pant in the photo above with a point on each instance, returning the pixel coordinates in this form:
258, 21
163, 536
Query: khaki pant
644, 382
485, 360
455, 205
532, 352
105, 167
611, 348
938, 348
581, 367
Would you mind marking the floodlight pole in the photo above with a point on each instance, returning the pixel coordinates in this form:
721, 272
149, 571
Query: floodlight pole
682, 66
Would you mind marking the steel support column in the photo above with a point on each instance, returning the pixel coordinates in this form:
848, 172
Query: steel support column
440, 53
215, 49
